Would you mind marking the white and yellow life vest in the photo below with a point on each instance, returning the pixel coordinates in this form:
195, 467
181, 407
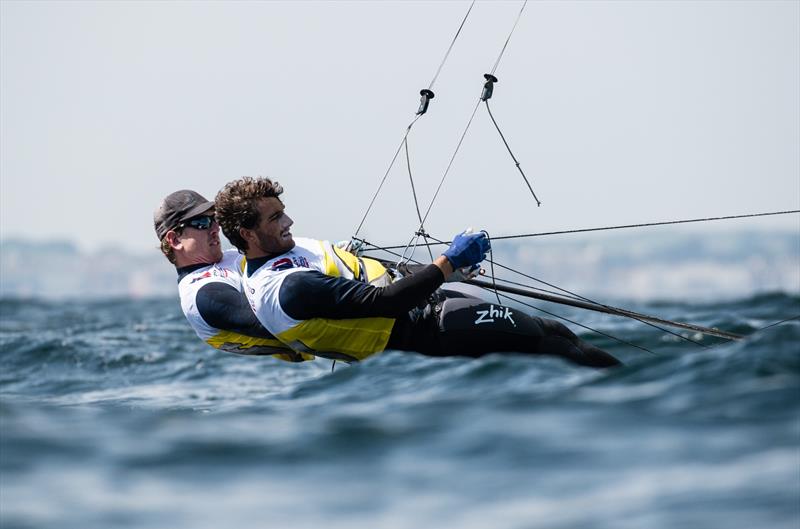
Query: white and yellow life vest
347, 339
229, 271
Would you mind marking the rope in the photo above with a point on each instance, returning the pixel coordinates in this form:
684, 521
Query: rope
464, 134
491, 262
774, 324
497, 62
516, 162
408, 129
447, 54
385, 175
648, 224
450, 164
620, 340
583, 298
416, 204
605, 228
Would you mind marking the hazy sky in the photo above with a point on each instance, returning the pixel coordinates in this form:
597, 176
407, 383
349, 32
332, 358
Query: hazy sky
618, 111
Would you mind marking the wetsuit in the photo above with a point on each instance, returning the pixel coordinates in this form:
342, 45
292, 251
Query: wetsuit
344, 317
455, 324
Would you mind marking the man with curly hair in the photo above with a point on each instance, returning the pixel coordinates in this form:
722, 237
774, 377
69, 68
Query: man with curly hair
321, 300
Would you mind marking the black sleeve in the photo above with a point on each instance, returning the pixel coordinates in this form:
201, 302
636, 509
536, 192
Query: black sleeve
306, 295
224, 307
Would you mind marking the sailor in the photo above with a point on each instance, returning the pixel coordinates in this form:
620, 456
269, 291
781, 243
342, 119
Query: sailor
325, 302
210, 280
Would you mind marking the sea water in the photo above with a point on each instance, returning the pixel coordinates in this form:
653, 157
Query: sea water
114, 414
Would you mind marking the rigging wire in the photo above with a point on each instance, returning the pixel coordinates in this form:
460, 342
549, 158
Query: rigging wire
416, 202
649, 224
426, 96
539, 289
486, 94
606, 228
491, 261
774, 324
516, 162
447, 53
385, 175
583, 298
450, 163
497, 62
620, 340
578, 297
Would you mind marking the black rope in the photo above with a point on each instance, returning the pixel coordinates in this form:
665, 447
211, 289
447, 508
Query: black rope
605, 228
774, 324
620, 340
420, 113
421, 230
491, 261
647, 224
577, 296
760, 329
516, 162
466, 129
539, 309
539, 289
583, 298
385, 175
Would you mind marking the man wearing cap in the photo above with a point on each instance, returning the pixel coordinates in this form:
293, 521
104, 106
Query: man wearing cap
210, 281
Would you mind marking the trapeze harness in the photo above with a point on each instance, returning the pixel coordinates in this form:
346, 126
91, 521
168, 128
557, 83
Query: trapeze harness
323, 301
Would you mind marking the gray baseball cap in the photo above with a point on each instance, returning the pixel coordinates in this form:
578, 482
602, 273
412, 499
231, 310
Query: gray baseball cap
177, 207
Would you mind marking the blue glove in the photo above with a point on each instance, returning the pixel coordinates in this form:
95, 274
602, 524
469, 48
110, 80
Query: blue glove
467, 249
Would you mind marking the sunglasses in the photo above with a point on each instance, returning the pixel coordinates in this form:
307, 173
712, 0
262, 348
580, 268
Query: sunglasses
198, 223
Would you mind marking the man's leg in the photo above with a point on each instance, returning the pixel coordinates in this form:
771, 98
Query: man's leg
471, 327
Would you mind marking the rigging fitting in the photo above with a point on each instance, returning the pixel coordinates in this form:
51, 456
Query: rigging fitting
424, 100
488, 86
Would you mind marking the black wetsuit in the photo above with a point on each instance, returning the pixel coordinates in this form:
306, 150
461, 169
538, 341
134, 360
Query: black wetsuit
448, 323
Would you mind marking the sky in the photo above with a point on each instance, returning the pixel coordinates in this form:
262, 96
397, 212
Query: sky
619, 112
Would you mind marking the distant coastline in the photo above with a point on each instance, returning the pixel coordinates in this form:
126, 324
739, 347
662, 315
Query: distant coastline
639, 266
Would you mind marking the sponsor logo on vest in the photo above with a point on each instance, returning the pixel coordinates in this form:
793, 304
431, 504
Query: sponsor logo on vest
285, 263
216, 272
282, 264
488, 316
204, 275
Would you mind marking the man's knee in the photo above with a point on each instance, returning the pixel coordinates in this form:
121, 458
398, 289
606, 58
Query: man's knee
556, 328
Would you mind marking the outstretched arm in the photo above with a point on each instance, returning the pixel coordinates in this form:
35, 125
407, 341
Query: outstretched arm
311, 294
307, 295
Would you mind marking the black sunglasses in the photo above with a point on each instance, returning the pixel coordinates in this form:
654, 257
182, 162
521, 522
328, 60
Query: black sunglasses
198, 223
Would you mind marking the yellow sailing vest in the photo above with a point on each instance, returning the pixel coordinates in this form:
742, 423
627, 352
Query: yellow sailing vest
346, 339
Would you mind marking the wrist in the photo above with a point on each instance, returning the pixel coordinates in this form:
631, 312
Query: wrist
444, 264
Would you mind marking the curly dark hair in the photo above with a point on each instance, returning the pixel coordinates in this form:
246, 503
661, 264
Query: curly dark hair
236, 206
166, 249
